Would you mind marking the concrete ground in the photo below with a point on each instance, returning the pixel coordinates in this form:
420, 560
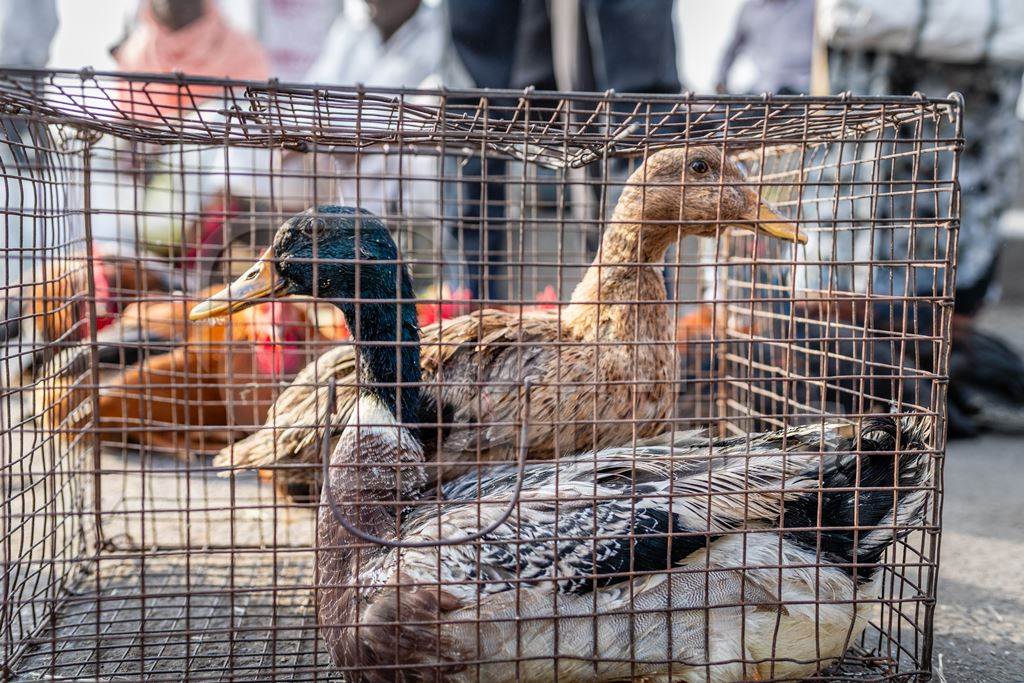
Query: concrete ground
979, 624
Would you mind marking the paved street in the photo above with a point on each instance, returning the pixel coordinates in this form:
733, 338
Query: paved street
980, 618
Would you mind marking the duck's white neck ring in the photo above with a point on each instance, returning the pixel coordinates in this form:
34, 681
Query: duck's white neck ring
341, 519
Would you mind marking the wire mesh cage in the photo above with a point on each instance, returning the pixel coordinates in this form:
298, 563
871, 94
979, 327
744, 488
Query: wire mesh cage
312, 383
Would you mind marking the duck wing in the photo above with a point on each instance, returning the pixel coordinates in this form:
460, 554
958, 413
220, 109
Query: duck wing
296, 416
586, 396
294, 423
607, 533
595, 519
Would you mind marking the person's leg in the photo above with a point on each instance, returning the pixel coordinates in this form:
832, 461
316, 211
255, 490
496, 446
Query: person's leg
484, 38
633, 45
623, 63
502, 45
474, 236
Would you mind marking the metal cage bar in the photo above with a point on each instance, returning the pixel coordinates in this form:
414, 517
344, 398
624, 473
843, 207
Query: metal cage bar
775, 273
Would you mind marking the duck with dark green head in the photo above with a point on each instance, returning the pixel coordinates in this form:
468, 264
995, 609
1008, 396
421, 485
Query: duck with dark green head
321, 253
346, 256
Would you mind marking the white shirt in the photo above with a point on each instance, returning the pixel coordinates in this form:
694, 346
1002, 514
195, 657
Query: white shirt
294, 33
355, 53
414, 56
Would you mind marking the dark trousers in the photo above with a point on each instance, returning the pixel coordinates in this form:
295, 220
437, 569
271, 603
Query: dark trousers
625, 45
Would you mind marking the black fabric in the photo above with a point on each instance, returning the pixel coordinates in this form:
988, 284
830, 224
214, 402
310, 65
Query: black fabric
986, 386
970, 299
633, 45
507, 44
485, 35
533, 62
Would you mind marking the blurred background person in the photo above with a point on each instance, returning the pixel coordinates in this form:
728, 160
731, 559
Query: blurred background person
945, 46
181, 194
776, 36
383, 43
27, 28
190, 36
292, 32
622, 45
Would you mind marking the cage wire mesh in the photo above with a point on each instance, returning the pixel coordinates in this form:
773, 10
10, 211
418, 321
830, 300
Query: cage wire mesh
591, 279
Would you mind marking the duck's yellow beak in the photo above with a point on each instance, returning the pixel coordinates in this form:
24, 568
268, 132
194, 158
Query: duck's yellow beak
771, 223
255, 284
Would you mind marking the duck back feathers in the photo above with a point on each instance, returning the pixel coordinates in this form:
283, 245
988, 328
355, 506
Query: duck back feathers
618, 549
865, 501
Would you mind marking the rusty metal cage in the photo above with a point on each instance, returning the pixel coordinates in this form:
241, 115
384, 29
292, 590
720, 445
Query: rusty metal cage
644, 438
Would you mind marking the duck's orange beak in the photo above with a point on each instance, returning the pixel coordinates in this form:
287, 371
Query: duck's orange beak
252, 287
771, 223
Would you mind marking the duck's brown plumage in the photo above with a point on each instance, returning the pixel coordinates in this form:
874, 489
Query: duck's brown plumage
602, 365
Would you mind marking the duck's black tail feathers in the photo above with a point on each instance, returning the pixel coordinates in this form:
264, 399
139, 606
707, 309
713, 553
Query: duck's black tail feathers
873, 491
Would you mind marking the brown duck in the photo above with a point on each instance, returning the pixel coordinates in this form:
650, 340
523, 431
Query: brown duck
602, 365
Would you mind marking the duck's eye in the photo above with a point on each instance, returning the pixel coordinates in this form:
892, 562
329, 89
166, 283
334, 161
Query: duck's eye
314, 227
699, 166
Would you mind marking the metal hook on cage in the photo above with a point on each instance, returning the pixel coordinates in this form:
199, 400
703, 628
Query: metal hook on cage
957, 97
325, 454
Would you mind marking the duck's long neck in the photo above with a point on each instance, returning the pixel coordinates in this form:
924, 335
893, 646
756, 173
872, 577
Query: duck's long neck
389, 374
378, 457
626, 269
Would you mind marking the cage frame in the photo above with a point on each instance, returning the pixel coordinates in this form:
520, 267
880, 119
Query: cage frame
79, 129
